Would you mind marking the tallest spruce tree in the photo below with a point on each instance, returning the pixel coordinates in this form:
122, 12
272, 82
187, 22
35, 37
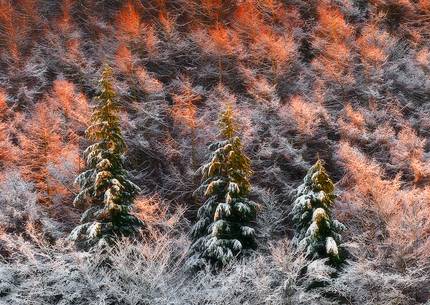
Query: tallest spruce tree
105, 189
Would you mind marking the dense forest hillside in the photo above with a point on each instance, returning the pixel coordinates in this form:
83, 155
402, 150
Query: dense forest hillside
231, 152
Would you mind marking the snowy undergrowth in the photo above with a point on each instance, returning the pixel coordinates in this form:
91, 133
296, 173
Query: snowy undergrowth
139, 273
20, 212
152, 270
142, 273
34, 271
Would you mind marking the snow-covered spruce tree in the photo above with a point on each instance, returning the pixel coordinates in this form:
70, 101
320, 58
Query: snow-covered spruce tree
104, 187
317, 232
223, 229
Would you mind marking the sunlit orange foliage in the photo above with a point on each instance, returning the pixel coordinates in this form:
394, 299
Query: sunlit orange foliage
68, 32
8, 151
64, 91
184, 112
167, 22
286, 15
50, 141
332, 39
248, 19
416, 36
424, 5
73, 45
373, 53
270, 6
368, 178
332, 24
409, 149
9, 34
149, 83
220, 37
335, 61
356, 117
408, 145
306, 115
72, 104
265, 42
225, 41
352, 124
64, 168
212, 8
151, 41
278, 48
403, 212
81, 111
65, 19
155, 213
29, 7
259, 87
3, 104
149, 209
212, 5
420, 169
405, 147
337, 52
124, 59
128, 19
423, 57
372, 44
281, 49
41, 144
28, 11
184, 108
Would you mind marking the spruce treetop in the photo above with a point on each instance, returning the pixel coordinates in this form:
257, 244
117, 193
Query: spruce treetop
105, 121
229, 159
227, 124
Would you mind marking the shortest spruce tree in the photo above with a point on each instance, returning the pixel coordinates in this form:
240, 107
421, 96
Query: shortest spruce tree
224, 227
317, 232
104, 186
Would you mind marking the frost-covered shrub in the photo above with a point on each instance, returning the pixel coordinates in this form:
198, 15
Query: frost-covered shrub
18, 201
152, 272
271, 278
271, 218
131, 272
145, 273
19, 209
366, 284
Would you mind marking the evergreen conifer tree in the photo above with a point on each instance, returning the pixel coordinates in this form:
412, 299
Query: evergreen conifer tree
317, 232
224, 226
104, 186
